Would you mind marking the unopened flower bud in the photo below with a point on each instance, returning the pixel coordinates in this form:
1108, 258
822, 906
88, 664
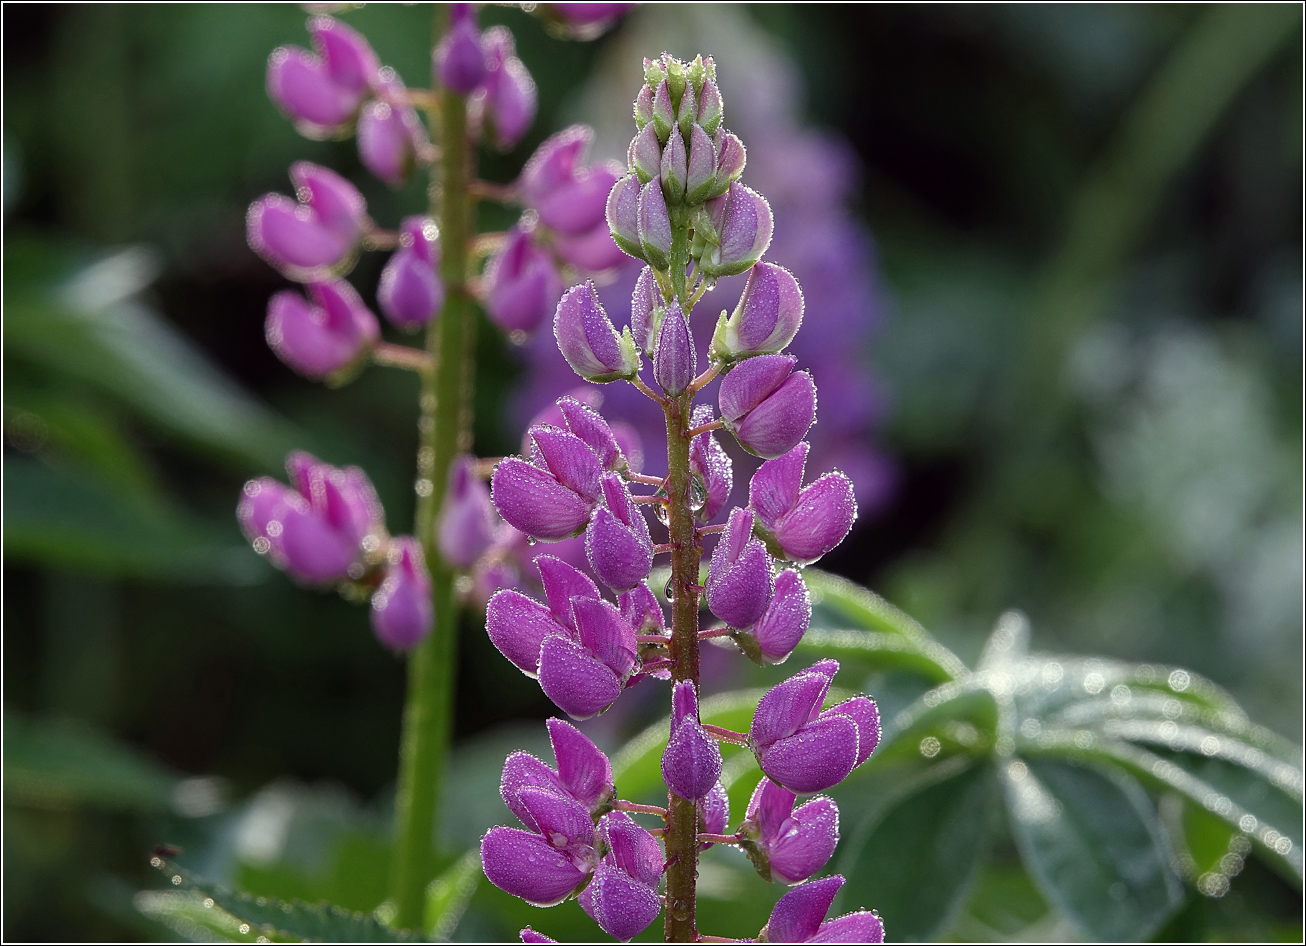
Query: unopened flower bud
459, 58
466, 527
675, 77
570, 460
386, 134
554, 163
623, 215
674, 169
709, 460
321, 230
643, 107
617, 540
584, 678
527, 866
730, 160
664, 116
710, 107
767, 408
786, 618
687, 111
767, 317
349, 57
739, 579
798, 916
583, 21
646, 155
647, 310
401, 608
521, 284
654, 225
622, 906
589, 425
674, 360
532, 501
587, 339
793, 844
410, 293
594, 251
743, 227
701, 170
577, 206
318, 340
691, 762
510, 98
640, 608
714, 813
804, 522
528, 935
300, 84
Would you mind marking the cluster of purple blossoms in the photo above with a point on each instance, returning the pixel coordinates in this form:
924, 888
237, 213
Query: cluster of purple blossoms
681, 208
330, 528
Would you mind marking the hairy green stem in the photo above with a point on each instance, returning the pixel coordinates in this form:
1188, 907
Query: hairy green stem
443, 428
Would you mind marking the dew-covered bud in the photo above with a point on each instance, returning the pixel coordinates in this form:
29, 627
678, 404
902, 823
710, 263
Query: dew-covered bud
401, 607
319, 340
767, 317
742, 220
654, 225
617, 540
588, 341
640, 608
766, 405
466, 528
714, 813
622, 906
459, 58
535, 503
687, 111
701, 170
646, 155
643, 107
798, 916
691, 763
521, 283
711, 109
584, 677
527, 866
623, 215
789, 845
508, 99
709, 461
739, 580
731, 157
319, 231
786, 618
804, 523
647, 310
528, 935
664, 116
589, 425
674, 360
674, 169
410, 293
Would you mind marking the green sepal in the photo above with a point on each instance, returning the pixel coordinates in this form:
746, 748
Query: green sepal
748, 646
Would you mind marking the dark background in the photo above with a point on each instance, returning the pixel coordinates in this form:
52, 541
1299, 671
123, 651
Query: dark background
1092, 351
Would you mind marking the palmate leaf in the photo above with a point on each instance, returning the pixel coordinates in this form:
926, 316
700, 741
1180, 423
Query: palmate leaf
277, 920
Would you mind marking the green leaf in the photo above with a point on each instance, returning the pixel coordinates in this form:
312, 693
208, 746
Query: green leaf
1094, 845
883, 636
282, 920
448, 895
199, 920
64, 764
916, 864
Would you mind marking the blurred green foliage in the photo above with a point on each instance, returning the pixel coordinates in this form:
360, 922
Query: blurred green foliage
1089, 222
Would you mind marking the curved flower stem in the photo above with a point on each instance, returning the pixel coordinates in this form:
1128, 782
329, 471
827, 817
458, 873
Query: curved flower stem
720, 838
646, 480
664, 549
649, 392
643, 809
726, 735
401, 356
711, 530
488, 190
650, 639
703, 428
485, 244
702, 380
443, 429
648, 499
715, 632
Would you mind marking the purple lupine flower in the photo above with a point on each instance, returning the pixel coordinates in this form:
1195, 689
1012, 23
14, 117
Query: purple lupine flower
674, 360
594, 251
799, 917
507, 99
654, 225
410, 293
386, 133
646, 311
588, 341
739, 575
711, 109
622, 898
686, 111
804, 522
664, 116
731, 156
318, 530
742, 220
318, 340
617, 540
590, 426
640, 608
645, 154
622, 211
578, 205
807, 750
709, 460
786, 844
544, 864
459, 58
714, 813
321, 93
554, 163
583, 20
582, 772
321, 230
554, 498
528, 935
785, 620
674, 168
767, 405
467, 526
691, 762
700, 171
401, 607
767, 317
584, 676
521, 284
